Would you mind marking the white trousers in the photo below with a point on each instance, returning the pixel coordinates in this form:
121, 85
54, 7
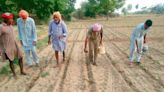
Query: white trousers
133, 49
29, 59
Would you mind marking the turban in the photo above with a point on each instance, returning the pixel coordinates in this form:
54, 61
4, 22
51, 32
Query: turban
7, 16
23, 14
57, 14
96, 27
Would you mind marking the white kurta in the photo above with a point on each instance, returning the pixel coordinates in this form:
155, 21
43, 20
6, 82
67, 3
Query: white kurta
137, 35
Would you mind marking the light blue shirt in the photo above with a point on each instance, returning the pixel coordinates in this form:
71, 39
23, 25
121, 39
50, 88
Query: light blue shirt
139, 32
27, 32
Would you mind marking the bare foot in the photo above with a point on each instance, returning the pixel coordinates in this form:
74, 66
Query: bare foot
63, 59
138, 63
56, 66
63, 62
130, 64
30, 66
37, 65
23, 73
15, 77
94, 63
91, 61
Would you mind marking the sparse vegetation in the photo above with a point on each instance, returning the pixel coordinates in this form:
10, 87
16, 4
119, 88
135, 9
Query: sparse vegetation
42, 43
44, 74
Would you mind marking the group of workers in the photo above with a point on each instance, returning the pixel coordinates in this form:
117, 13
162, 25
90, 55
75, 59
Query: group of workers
57, 35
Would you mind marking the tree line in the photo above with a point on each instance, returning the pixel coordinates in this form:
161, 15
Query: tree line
43, 9
156, 9
40, 8
98, 7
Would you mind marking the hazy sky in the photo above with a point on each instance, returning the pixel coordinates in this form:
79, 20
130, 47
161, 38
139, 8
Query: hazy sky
78, 2
142, 3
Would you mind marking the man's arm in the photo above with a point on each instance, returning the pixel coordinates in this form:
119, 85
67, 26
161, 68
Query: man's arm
0, 30
145, 38
49, 33
34, 31
0, 42
19, 32
65, 30
137, 46
85, 45
49, 39
101, 35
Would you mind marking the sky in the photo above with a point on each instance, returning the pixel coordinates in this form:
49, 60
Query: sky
142, 3
78, 2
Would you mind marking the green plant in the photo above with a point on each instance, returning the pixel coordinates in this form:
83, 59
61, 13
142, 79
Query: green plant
5, 70
44, 74
42, 43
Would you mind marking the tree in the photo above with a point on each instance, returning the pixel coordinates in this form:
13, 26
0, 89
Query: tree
79, 14
69, 8
40, 8
7, 6
109, 6
94, 7
124, 11
158, 9
90, 8
144, 8
129, 7
137, 6
44, 9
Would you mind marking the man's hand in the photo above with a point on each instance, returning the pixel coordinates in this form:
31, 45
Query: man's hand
145, 39
49, 42
100, 42
138, 51
0, 52
61, 36
34, 43
21, 42
85, 50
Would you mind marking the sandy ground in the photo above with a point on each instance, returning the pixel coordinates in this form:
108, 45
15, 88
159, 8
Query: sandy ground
112, 73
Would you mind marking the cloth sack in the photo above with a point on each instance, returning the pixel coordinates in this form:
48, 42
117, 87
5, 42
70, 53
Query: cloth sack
101, 49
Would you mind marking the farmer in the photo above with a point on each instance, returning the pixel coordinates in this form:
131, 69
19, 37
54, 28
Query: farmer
138, 38
28, 37
9, 49
94, 36
57, 34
